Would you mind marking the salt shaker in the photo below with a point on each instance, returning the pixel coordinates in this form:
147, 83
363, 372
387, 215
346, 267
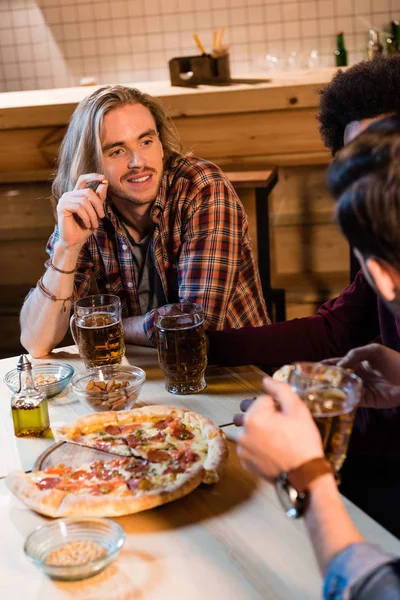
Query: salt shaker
29, 405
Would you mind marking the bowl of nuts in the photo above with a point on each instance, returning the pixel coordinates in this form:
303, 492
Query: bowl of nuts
51, 377
115, 388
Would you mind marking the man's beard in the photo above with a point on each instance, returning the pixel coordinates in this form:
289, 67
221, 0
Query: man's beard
120, 194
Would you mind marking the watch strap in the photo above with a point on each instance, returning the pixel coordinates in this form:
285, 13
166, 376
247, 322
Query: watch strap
301, 477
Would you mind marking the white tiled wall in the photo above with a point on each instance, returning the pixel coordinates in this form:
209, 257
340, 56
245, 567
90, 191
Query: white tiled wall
55, 43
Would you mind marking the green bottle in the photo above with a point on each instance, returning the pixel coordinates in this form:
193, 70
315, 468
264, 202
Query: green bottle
340, 52
393, 40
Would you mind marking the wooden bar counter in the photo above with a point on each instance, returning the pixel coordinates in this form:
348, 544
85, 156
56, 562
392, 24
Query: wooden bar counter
269, 122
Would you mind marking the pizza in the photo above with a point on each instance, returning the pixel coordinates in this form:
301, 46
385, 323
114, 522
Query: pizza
162, 454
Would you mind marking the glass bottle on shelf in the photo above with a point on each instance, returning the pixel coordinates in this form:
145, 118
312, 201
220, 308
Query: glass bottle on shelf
29, 405
393, 39
374, 47
340, 52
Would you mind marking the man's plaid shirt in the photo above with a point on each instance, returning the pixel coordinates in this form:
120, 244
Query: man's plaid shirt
200, 247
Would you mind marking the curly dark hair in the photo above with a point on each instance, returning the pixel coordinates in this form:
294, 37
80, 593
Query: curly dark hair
364, 178
366, 90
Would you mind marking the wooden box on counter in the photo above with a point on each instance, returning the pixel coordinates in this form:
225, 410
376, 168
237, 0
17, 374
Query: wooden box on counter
204, 69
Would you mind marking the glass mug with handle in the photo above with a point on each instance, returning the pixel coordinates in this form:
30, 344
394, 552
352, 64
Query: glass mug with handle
182, 346
332, 395
96, 327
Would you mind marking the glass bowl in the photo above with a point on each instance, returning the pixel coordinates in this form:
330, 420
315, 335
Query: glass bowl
60, 370
104, 533
109, 399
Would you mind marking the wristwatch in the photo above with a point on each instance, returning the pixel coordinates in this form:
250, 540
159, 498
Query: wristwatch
292, 487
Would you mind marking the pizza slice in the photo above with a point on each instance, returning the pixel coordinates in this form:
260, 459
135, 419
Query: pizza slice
99, 431
155, 433
103, 488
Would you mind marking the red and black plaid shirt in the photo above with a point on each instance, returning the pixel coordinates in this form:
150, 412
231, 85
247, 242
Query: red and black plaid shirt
200, 247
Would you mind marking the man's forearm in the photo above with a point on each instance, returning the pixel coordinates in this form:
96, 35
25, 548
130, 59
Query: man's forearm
134, 331
330, 528
44, 322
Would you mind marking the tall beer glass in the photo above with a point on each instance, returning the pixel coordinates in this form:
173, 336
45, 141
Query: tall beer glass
181, 345
96, 327
332, 394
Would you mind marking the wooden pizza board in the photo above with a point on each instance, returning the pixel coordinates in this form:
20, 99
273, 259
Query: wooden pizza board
69, 454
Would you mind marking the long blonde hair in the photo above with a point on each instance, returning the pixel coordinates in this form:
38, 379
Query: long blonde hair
80, 150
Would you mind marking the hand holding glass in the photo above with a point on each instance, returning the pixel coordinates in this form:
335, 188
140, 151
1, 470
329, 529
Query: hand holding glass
332, 394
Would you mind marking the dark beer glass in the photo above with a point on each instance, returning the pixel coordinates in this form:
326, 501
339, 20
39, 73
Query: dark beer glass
96, 327
181, 345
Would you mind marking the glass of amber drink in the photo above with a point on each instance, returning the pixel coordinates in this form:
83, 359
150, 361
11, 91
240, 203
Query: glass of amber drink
181, 345
332, 395
96, 327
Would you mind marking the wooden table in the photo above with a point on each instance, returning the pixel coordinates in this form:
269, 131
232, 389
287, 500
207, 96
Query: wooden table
226, 541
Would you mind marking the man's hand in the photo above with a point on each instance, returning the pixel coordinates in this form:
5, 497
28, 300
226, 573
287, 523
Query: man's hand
79, 211
276, 440
379, 368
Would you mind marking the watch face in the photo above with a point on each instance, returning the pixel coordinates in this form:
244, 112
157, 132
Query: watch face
292, 502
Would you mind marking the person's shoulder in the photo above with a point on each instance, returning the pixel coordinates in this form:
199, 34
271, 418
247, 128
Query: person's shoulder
198, 171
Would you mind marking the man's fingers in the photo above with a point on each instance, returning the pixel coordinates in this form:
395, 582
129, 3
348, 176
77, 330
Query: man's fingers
245, 404
102, 191
358, 355
332, 361
84, 217
281, 392
84, 180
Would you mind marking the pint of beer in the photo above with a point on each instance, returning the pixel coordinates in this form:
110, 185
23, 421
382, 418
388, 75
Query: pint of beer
181, 345
332, 394
96, 327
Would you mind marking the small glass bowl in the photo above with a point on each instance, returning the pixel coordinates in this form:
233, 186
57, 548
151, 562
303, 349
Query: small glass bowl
115, 399
62, 371
47, 538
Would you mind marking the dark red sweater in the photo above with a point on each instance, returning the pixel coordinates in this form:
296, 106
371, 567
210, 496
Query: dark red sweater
353, 319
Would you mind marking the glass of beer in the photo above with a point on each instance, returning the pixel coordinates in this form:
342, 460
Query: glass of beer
332, 395
181, 345
96, 327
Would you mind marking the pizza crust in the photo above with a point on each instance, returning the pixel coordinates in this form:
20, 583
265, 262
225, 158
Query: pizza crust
46, 502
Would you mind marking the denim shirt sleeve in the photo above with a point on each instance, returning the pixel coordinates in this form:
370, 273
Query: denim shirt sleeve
359, 571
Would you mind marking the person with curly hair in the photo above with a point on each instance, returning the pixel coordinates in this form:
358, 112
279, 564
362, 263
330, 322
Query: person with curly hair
355, 97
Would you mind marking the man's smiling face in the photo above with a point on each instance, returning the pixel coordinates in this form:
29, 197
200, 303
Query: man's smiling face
132, 154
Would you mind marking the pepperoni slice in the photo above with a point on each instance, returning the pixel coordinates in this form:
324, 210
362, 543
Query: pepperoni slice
129, 428
182, 434
173, 469
163, 424
132, 441
158, 455
113, 429
48, 483
188, 457
57, 469
82, 475
158, 436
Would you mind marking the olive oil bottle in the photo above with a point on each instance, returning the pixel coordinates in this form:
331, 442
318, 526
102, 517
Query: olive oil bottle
29, 405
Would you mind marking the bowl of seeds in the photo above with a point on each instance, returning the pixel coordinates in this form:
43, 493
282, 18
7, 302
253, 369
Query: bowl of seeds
74, 548
51, 377
112, 388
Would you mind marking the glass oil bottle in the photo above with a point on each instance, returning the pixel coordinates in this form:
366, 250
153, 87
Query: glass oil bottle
29, 405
